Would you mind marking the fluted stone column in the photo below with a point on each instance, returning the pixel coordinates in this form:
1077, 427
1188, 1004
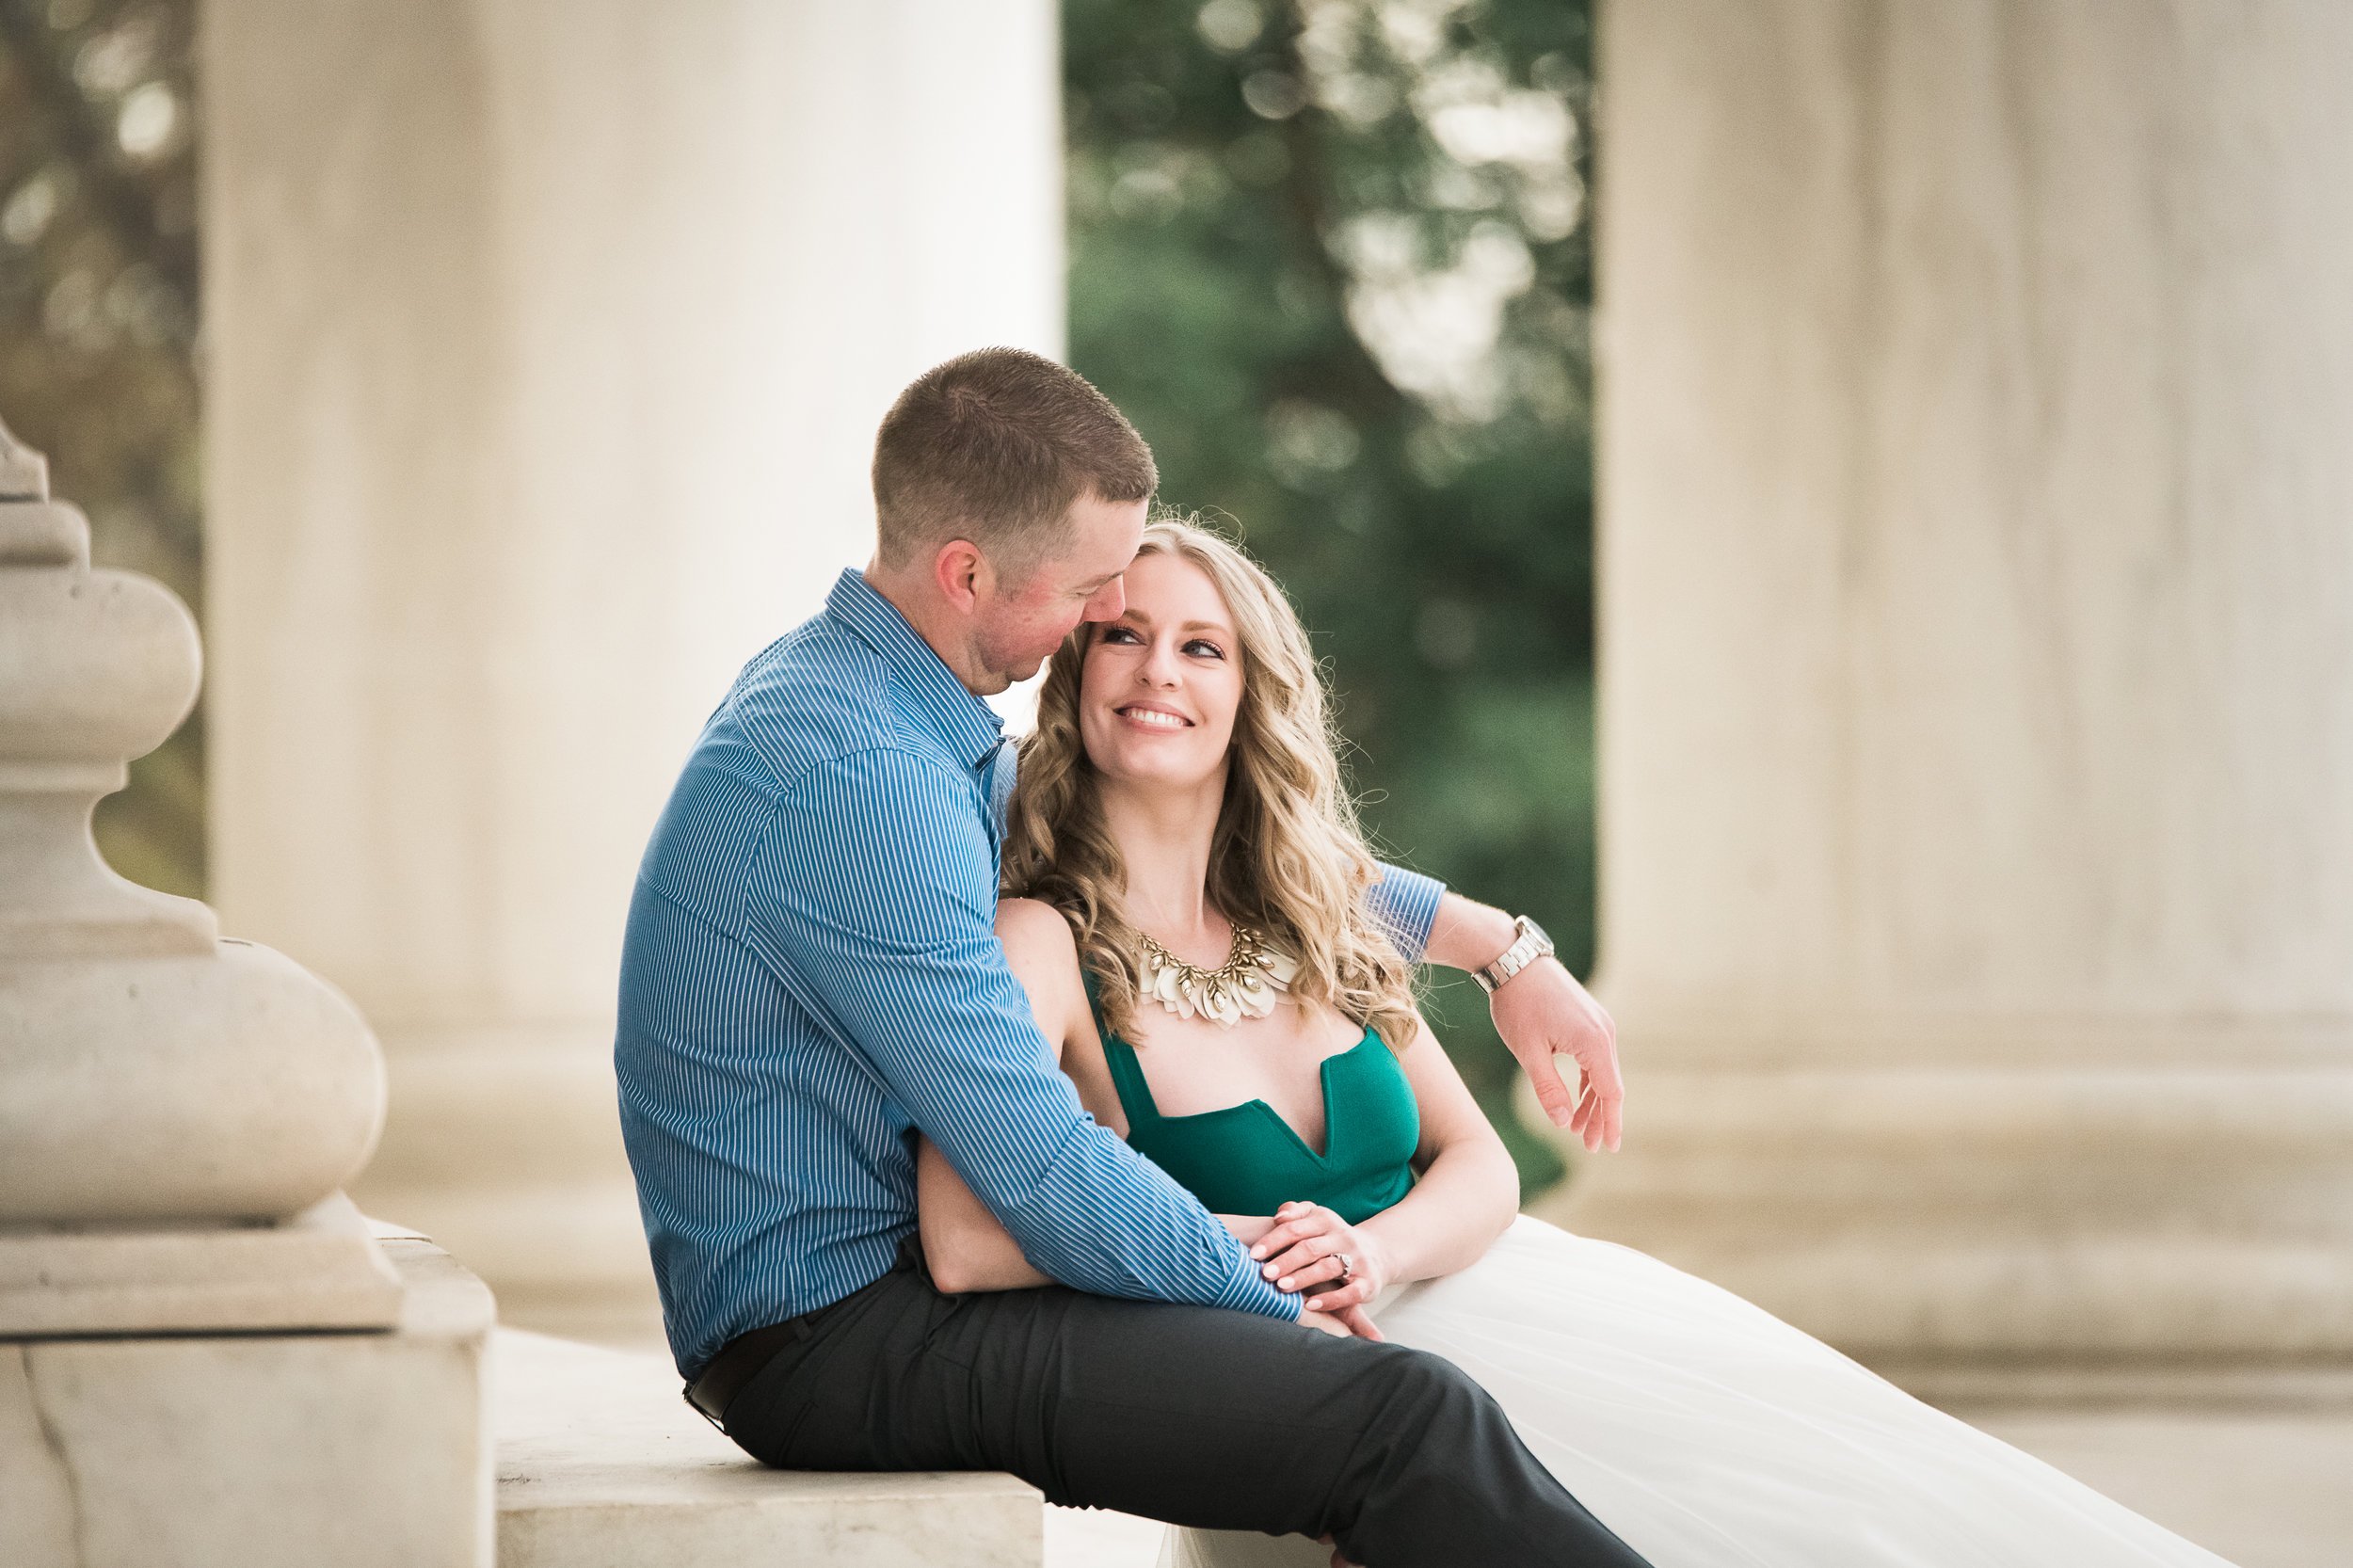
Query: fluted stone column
545, 345
1976, 678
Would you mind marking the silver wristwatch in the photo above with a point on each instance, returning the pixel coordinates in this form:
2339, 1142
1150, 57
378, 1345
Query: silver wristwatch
1530, 945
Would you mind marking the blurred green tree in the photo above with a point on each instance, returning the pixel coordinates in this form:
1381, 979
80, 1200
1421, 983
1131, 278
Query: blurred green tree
1331, 256
98, 331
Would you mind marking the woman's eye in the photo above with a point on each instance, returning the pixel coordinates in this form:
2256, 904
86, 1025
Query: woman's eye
1202, 647
1118, 635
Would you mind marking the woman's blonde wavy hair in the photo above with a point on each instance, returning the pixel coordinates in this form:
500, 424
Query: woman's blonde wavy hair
1288, 858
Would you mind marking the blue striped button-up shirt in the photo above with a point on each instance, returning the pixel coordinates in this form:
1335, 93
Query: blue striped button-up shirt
811, 973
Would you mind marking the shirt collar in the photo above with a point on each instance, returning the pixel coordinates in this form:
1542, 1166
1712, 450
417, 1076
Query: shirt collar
973, 730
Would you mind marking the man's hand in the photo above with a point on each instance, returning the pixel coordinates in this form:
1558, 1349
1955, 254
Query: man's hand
1543, 1012
1540, 1012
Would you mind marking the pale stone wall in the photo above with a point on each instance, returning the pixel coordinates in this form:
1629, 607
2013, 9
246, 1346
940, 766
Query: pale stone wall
545, 345
1976, 670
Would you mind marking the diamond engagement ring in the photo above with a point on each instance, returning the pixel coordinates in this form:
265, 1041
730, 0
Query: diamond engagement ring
1348, 1268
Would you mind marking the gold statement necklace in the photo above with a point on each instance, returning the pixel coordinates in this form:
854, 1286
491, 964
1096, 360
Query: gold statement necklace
1244, 986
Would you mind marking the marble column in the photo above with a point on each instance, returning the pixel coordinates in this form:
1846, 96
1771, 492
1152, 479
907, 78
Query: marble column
545, 343
1976, 679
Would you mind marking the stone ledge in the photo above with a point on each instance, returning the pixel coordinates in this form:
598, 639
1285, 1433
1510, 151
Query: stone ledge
319, 1269
2183, 1388
600, 1463
360, 1450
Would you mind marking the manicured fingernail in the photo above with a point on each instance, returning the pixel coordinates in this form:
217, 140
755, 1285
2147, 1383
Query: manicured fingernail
1257, 1252
1283, 1284
1560, 1115
1268, 1271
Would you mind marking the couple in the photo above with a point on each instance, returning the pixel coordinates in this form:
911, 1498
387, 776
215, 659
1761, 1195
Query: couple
1064, 1182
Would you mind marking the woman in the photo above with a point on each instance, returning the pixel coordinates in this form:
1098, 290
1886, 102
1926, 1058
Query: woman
1190, 925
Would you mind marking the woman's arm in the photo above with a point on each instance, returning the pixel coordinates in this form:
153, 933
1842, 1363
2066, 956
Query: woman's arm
1541, 1012
965, 1246
1468, 1191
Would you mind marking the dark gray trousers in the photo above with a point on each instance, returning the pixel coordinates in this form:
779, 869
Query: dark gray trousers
1186, 1413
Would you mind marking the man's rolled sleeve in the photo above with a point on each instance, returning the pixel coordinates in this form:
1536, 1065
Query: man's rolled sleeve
875, 892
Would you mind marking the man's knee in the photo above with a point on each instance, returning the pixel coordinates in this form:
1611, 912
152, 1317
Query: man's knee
1433, 1388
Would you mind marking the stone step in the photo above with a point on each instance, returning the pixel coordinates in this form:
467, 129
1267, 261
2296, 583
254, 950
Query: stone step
601, 1465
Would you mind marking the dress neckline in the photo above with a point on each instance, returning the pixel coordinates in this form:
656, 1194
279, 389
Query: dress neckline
1323, 1077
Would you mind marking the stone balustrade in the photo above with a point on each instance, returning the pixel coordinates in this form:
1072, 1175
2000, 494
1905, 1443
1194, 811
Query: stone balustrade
177, 1113
213, 1359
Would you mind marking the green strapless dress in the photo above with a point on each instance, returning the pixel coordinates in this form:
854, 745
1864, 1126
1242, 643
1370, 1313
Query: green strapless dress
1246, 1159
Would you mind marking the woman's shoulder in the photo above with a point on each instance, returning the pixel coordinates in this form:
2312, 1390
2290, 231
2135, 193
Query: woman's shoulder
1037, 927
1044, 956
1038, 944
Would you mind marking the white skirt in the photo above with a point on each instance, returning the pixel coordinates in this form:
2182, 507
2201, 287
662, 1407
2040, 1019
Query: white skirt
1708, 1433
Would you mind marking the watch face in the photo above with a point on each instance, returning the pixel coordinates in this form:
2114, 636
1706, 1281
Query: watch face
1544, 938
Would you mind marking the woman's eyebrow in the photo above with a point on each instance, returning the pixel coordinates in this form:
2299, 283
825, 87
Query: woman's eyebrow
1131, 613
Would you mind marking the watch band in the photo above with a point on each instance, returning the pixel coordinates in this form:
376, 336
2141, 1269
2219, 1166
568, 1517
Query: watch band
1530, 945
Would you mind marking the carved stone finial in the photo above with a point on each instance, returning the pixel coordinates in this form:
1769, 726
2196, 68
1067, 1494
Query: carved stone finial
24, 472
176, 1111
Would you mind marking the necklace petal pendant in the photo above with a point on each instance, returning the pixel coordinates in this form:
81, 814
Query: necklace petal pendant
1244, 986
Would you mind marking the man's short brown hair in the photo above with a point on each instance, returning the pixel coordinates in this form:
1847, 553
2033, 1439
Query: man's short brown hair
993, 447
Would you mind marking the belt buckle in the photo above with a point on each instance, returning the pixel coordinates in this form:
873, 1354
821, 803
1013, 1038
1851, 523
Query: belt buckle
687, 1394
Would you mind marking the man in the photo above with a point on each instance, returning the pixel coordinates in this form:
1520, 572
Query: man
811, 976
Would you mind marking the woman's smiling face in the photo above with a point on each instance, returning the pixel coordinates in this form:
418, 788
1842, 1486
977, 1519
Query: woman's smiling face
1162, 685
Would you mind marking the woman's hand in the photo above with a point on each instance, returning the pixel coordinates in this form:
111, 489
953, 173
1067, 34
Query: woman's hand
1349, 1323
1311, 1246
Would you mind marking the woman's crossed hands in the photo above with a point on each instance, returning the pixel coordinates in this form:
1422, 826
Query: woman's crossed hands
1310, 1248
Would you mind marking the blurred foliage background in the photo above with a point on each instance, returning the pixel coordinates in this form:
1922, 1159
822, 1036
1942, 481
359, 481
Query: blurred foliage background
1331, 257
97, 332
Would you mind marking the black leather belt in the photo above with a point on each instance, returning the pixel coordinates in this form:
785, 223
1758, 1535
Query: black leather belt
738, 1362
740, 1358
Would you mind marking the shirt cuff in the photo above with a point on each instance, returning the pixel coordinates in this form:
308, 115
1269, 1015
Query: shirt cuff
1407, 904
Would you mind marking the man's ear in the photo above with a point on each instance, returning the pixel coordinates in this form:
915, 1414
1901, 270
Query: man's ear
963, 574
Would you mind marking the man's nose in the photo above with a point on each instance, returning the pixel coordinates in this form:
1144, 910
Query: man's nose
1110, 602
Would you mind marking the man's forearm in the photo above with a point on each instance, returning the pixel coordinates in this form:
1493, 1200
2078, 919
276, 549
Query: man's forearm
965, 1247
1093, 1224
1468, 935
